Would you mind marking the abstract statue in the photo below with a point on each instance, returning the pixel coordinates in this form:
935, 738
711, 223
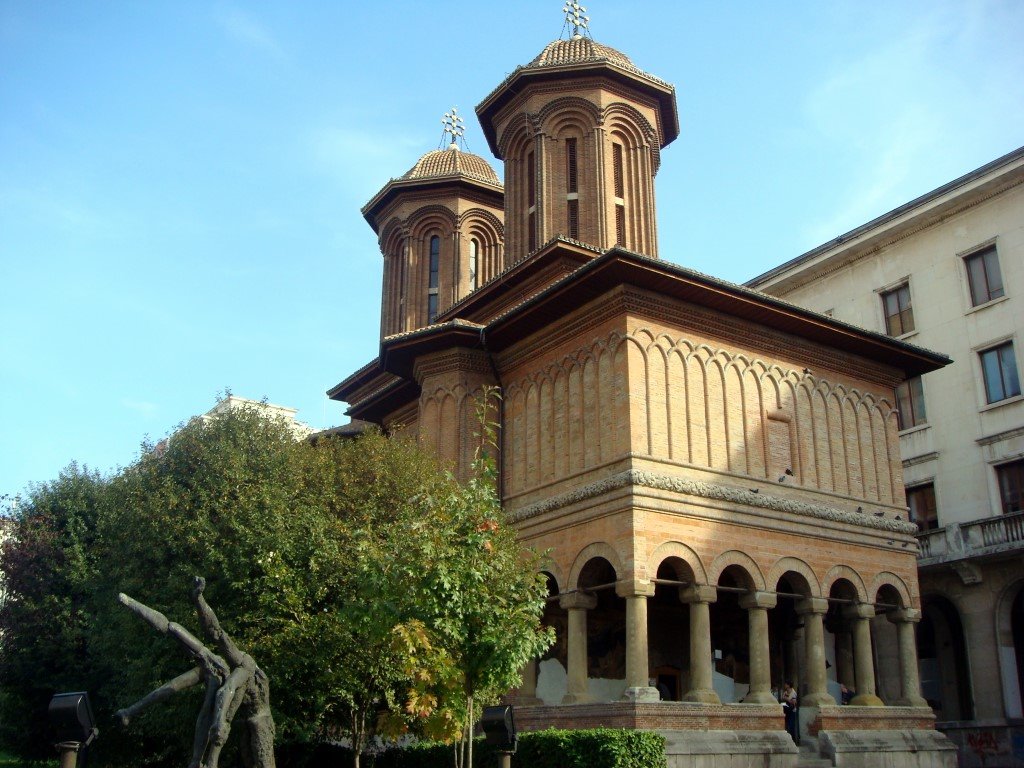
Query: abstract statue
233, 682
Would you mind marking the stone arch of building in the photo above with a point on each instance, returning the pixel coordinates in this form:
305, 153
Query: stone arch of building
793, 565
898, 585
590, 552
572, 113
942, 649
621, 117
1009, 628
391, 236
679, 551
484, 222
516, 138
848, 574
424, 220
741, 561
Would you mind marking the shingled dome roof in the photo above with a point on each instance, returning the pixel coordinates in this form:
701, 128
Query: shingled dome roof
452, 162
583, 50
577, 50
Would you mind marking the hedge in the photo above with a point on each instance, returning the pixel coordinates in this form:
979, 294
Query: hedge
596, 748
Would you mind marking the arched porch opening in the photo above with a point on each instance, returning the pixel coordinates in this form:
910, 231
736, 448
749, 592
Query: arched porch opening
786, 630
839, 628
606, 631
730, 636
885, 644
669, 630
1017, 630
942, 656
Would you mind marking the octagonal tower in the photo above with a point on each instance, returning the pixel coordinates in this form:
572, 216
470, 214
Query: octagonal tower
580, 129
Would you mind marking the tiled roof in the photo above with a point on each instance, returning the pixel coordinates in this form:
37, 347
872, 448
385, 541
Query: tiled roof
583, 50
452, 162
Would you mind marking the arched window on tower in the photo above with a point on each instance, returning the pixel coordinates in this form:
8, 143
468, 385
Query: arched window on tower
531, 203
474, 251
620, 195
572, 189
435, 269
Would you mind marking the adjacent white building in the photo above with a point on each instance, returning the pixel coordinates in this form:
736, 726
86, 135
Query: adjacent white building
946, 272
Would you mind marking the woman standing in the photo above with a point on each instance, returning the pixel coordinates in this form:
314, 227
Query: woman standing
789, 707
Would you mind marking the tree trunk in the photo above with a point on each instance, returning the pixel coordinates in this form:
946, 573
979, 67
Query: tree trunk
469, 731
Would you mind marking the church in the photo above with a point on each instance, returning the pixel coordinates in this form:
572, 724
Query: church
713, 473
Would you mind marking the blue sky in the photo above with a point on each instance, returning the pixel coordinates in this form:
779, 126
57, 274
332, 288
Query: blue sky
180, 182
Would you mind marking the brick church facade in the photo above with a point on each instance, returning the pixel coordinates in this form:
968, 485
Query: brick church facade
715, 473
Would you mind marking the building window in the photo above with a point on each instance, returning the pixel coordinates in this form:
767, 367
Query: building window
531, 204
984, 276
910, 403
620, 187
999, 369
570, 166
474, 250
531, 181
1011, 486
574, 218
620, 225
899, 315
921, 500
435, 269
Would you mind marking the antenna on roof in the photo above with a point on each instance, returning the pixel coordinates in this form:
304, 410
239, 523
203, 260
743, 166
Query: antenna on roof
455, 128
574, 18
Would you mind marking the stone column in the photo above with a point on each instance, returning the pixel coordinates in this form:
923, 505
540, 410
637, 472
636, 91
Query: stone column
910, 676
527, 694
860, 616
844, 657
699, 598
637, 667
813, 610
577, 604
756, 605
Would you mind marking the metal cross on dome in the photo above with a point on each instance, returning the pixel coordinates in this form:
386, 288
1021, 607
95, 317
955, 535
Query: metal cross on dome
574, 15
454, 125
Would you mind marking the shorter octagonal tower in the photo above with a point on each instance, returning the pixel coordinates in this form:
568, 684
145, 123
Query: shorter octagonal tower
580, 129
441, 232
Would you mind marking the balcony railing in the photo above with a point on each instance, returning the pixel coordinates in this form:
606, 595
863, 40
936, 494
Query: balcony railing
979, 537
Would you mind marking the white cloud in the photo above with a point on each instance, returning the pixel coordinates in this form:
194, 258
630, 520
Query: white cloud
243, 28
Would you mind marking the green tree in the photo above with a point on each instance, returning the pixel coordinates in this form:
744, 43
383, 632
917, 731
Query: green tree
377, 593
49, 568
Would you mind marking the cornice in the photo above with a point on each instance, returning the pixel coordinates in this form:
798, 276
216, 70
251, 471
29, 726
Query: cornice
689, 317
856, 251
458, 359
1009, 434
922, 459
715, 492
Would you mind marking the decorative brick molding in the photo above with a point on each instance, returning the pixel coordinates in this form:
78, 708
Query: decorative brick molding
847, 718
662, 482
662, 715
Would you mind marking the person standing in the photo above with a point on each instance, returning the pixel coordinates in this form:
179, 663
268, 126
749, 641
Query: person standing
789, 707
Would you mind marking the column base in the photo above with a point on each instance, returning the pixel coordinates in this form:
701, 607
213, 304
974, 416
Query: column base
866, 700
576, 698
817, 700
759, 697
644, 694
702, 696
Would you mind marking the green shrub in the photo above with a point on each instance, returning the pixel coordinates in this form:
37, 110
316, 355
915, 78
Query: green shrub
597, 748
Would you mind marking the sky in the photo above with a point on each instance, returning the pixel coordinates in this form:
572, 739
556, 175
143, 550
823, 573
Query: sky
180, 181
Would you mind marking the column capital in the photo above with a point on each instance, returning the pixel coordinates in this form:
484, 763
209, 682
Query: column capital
634, 588
904, 616
858, 611
758, 600
573, 600
818, 605
698, 593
